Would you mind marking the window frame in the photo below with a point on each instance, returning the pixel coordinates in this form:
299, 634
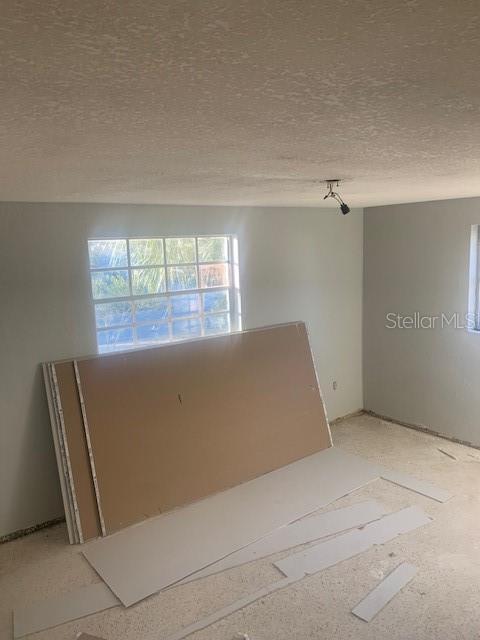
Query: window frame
233, 290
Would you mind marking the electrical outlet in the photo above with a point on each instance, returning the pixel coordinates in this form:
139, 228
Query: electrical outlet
334, 385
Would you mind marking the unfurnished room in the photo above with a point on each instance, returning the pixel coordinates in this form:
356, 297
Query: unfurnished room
240, 327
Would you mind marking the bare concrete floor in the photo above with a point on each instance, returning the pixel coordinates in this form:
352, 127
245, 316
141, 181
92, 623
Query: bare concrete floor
442, 602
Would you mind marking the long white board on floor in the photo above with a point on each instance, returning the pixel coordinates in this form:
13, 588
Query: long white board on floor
328, 553
414, 484
219, 614
306, 530
393, 525
152, 555
410, 482
63, 608
368, 608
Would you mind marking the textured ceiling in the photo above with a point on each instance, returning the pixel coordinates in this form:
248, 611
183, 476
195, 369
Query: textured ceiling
239, 101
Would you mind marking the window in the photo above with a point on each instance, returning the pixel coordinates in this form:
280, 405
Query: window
473, 320
156, 290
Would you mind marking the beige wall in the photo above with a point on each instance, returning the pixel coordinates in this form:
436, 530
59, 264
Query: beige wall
417, 259
296, 264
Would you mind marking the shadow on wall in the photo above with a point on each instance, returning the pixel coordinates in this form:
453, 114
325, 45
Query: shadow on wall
35, 496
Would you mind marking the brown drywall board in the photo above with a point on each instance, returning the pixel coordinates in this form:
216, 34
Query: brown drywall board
173, 424
78, 452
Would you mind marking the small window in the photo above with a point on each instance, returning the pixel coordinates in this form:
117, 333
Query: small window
473, 321
157, 290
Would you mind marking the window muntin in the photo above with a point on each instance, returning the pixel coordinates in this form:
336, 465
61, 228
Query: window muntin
156, 290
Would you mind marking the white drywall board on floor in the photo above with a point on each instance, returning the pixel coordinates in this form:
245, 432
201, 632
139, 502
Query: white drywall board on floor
306, 530
64, 608
91, 599
152, 555
231, 608
394, 524
379, 597
419, 486
331, 552
410, 482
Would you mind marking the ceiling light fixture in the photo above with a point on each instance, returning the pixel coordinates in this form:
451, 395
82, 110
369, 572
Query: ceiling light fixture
344, 208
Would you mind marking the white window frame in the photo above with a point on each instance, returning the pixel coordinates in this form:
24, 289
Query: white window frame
233, 289
473, 323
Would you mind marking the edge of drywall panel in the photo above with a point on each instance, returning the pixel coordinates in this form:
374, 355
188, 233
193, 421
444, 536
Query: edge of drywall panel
167, 344
89, 447
63, 433
52, 401
318, 382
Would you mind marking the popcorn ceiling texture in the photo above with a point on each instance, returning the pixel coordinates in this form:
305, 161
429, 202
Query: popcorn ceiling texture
239, 101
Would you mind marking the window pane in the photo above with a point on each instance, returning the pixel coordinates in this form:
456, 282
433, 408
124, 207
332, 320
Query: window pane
115, 339
188, 305
212, 249
145, 281
155, 332
110, 284
180, 250
235, 250
213, 275
145, 252
113, 313
180, 278
238, 301
215, 301
107, 253
236, 276
186, 328
217, 324
156, 309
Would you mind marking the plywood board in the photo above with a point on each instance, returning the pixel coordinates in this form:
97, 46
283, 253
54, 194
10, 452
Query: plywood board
306, 530
377, 599
174, 424
419, 486
78, 451
64, 608
145, 558
328, 553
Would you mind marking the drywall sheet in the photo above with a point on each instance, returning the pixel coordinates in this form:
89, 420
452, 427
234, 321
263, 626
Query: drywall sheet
368, 608
145, 558
399, 522
231, 608
78, 452
350, 544
64, 608
173, 424
306, 530
410, 482
419, 486
56, 435
87, 636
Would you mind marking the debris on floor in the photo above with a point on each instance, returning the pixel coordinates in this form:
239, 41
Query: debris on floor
260, 500
377, 599
447, 453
